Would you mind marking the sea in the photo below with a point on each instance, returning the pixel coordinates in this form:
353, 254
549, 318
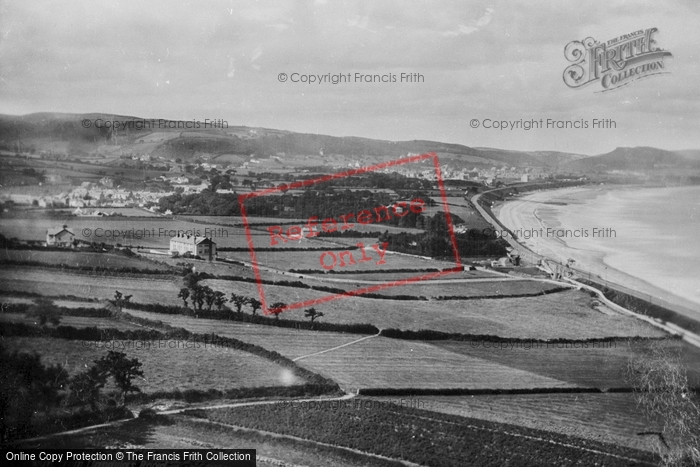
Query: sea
639, 237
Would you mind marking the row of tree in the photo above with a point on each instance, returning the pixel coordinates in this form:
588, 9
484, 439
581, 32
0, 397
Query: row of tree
200, 295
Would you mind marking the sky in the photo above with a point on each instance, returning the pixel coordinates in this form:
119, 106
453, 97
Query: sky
479, 60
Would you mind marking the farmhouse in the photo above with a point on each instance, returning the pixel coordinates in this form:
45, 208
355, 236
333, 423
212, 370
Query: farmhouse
196, 246
60, 236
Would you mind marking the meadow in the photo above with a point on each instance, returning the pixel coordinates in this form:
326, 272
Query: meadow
312, 259
291, 343
394, 276
74, 321
167, 364
80, 259
58, 283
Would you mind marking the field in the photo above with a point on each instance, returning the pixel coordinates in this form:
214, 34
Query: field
492, 288
395, 276
600, 365
80, 258
560, 315
439, 287
611, 418
435, 439
291, 343
75, 321
55, 283
210, 267
167, 365
380, 362
181, 432
311, 259
61, 303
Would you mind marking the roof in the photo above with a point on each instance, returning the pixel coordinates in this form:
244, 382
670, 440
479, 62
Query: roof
192, 240
57, 230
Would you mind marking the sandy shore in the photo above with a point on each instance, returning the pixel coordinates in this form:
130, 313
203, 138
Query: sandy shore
529, 215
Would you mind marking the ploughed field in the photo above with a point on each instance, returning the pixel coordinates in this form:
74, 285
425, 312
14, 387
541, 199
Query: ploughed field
608, 418
167, 364
355, 434
435, 439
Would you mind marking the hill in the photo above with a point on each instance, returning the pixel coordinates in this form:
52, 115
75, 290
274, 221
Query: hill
630, 159
692, 154
65, 134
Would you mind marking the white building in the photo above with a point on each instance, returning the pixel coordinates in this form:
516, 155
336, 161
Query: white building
60, 236
196, 246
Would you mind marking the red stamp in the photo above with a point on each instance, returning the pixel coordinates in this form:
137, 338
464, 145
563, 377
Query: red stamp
330, 260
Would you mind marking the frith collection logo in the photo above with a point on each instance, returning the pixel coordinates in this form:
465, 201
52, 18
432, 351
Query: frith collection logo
614, 63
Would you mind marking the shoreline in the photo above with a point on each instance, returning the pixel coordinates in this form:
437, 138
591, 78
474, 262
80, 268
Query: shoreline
522, 213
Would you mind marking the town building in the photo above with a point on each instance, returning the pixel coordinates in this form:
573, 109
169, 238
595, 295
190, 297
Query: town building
203, 247
60, 236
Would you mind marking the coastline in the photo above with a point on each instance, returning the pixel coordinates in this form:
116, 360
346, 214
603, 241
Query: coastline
597, 259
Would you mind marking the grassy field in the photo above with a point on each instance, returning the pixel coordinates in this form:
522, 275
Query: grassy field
602, 365
560, 315
394, 276
210, 267
80, 258
289, 342
611, 418
55, 283
380, 362
311, 260
474, 289
75, 321
167, 365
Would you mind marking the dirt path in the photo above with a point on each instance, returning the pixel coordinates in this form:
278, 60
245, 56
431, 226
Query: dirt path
338, 346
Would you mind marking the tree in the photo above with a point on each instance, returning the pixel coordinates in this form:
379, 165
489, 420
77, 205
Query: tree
85, 387
184, 295
209, 297
123, 370
255, 304
238, 300
44, 311
661, 389
198, 297
277, 308
313, 314
219, 299
26, 386
121, 300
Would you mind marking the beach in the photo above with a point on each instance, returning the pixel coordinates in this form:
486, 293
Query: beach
638, 238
